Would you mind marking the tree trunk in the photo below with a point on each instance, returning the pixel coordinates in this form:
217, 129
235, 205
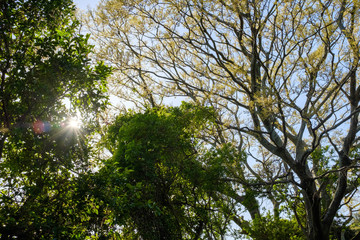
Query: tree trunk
315, 229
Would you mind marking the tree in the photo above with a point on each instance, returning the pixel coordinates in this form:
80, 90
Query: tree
155, 185
44, 66
282, 76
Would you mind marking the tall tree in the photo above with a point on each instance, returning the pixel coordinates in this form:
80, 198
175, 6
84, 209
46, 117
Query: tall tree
281, 74
44, 66
155, 185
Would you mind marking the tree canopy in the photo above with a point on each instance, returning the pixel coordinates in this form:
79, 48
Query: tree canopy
281, 75
44, 66
264, 146
155, 184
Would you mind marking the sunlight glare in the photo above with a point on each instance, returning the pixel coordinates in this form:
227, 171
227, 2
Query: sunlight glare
74, 123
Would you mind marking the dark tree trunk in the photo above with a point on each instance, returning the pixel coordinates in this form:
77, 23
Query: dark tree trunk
315, 228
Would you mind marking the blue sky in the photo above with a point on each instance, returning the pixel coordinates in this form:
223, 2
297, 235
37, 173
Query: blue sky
85, 4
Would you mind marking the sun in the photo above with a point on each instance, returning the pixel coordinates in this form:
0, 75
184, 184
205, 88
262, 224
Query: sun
74, 123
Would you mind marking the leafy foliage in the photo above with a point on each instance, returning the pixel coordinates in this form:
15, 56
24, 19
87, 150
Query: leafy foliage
282, 77
155, 185
270, 227
274, 119
44, 65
